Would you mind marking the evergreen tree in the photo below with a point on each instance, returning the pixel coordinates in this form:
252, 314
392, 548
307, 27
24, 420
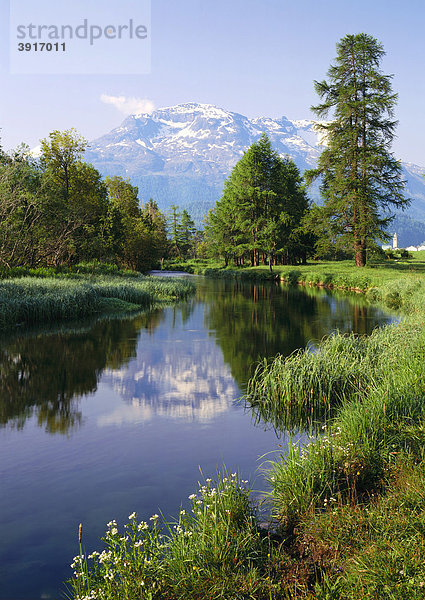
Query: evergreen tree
182, 233
173, 225
361, 179
129, 234
155, 223
187, 234
262, 204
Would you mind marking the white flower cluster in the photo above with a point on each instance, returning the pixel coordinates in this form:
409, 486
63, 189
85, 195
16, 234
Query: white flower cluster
326, 500
105, 556
77, 561
109, 575
92, 596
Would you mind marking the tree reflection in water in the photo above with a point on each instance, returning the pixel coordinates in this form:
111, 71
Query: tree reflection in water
43, 375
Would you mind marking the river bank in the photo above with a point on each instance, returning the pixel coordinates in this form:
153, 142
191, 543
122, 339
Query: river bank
47, 297
348, 508
343, 275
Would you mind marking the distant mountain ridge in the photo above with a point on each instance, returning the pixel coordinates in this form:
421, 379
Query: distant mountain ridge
182, 154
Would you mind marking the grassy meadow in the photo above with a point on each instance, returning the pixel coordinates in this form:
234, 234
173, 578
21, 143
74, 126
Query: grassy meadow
347, 509
342, 274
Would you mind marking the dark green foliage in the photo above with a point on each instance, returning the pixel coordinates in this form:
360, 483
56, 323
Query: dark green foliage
183, 234
361, 179
137, 236
260, 212
59, 211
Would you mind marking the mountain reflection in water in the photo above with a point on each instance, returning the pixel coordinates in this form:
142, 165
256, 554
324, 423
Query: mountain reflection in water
105, 417
185, 362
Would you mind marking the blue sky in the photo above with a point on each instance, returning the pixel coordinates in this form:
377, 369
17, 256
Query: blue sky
256, 57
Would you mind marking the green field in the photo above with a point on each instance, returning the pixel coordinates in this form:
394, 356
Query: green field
341, 274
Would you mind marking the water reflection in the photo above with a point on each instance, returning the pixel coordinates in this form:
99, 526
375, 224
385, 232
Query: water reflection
185, 378
44, 375
252, 322
148, 401
187, 362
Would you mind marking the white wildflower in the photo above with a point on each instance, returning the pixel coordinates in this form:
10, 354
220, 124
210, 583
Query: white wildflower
105, 556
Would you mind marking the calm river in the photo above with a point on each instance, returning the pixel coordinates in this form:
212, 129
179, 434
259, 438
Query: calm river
103, 418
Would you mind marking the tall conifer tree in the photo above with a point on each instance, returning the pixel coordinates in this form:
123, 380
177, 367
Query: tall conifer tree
361, 179
262, 204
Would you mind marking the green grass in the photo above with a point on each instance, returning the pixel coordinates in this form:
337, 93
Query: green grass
83, 268
347, 507
297, 390
375, 549
213, 550
341, 274
338, 498
30, 300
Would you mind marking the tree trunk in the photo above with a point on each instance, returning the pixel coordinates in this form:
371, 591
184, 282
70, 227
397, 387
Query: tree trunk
360, 253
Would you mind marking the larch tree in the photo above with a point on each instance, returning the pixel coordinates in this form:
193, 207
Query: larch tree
262, 204
361, 179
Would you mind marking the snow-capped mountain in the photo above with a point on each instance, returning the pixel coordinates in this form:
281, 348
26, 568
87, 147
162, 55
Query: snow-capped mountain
182, 154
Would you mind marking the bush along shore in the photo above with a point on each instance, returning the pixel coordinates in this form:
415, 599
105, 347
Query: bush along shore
46, 295
347, 508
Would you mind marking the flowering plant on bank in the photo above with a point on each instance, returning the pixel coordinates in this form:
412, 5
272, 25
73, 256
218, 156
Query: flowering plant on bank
145, 561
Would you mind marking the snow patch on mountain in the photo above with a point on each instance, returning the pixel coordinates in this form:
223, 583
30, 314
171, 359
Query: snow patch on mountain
182, 154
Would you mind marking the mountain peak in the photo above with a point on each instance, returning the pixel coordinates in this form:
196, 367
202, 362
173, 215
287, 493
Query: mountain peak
182, 154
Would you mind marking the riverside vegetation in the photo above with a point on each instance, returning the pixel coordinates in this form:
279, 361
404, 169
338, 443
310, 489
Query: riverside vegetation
45, 295
347, 509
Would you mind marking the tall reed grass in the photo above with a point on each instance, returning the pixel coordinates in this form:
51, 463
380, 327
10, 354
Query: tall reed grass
31, 300
342, 368
377, 421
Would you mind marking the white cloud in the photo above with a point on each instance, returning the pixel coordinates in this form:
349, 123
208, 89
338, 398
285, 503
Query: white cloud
129, 105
